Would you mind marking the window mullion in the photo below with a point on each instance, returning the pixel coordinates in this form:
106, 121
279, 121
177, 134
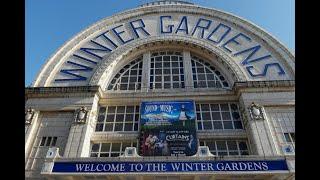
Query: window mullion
188, 81
145, 81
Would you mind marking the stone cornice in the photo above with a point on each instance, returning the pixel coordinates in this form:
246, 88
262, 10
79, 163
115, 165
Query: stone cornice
264, 86
32, 92
238, 88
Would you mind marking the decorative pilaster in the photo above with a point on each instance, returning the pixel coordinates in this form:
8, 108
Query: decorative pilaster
78, 144
31, 127
187, 70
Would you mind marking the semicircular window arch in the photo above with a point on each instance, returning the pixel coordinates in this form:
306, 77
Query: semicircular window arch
207, 76
129, 77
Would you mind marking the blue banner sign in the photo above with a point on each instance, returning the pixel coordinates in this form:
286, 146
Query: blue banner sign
168, 128
158, 167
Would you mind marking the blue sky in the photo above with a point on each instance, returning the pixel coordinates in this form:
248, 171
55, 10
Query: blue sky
50, 23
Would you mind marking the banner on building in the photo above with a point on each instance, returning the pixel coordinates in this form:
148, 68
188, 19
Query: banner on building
165, 167
167, 128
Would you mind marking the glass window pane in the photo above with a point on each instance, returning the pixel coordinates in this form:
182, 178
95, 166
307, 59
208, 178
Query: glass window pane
243, 145
108, 127
129, 109
199, 126
110, 118
120, 109
136, 127
233, 153
54, 141
207, 125
167, 71
223, 153
99, 127
111, 109
244, 153
211, 145
235, 115
167, 85
129, 117
128, 126
48, 141
210, 77
101, 118
175, 85
224, 107
118, 126
221, 145
227, 124
104, 154
119, 117
205, 107
217, 124
226, 116
95, 147
206, 116
211, 83
102, 110
238, 125
234, 107
105, 147
116, 147
94, 155
232, 145
287, 137
216, 116
43, 140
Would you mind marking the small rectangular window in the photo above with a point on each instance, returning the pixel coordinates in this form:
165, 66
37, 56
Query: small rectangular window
48, 141
54, 141
43, 140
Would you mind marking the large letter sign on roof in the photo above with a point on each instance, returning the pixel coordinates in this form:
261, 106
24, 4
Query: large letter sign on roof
258, 55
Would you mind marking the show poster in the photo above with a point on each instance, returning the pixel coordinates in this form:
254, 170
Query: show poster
168, 128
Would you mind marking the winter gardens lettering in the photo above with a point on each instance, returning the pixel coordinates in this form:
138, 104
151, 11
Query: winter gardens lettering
211, 31
117, 167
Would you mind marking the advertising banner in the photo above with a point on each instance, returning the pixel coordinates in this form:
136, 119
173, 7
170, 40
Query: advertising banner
166, 167
167, 128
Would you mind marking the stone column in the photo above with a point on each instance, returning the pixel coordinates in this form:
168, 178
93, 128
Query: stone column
78, 144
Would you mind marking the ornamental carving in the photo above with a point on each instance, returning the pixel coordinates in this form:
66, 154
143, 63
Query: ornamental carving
256, 112
81, 115
29, 114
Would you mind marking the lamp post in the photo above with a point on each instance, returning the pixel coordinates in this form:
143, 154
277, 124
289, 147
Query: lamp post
29, 116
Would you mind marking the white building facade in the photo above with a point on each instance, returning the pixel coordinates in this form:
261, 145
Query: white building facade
83, 111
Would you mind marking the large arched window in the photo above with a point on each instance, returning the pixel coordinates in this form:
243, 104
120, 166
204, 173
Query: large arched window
166, 70
205, 75
129, 77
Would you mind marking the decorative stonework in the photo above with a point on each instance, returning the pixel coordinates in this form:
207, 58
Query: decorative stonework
256, 112
81, 116
29, 114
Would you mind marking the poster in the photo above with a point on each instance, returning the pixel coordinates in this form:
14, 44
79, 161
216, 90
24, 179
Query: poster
168, 128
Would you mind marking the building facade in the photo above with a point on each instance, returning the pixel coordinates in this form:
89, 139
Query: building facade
87, 110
